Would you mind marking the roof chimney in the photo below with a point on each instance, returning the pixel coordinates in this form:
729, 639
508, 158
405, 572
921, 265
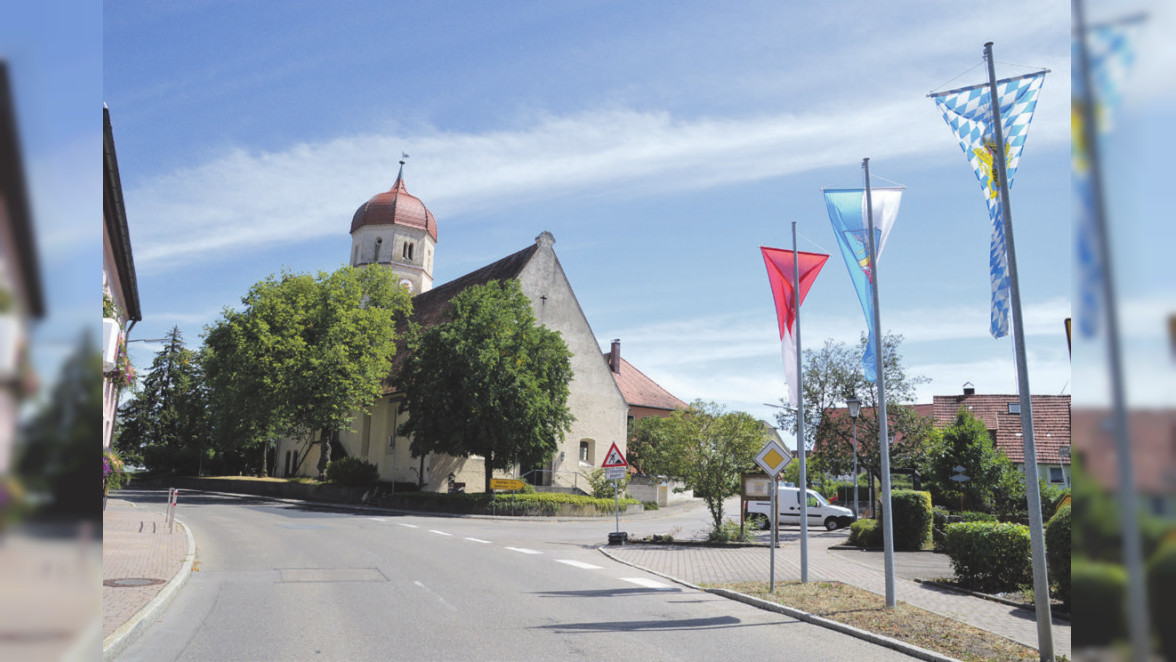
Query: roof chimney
614, 357
969, 389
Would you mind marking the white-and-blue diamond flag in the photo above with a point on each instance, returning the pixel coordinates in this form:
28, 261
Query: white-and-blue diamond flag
1109, 53
968, 111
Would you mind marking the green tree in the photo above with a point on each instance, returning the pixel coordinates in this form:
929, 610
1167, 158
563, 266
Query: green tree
303, 355
966, 443
59, 451
708, 449
165, 425
833, 374
489, 382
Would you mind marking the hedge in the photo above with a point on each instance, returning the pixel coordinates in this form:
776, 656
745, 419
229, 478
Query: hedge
352, 471
989, 557
1057, 553
912, 519
865, 533
538, 503
1161, 585
1098, 596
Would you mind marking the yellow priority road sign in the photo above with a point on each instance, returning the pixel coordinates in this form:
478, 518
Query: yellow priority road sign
506, 484
772, 458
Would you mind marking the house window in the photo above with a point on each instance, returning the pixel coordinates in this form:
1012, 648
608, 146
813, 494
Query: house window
586, 451
1056, 476
406, 251
1014, 407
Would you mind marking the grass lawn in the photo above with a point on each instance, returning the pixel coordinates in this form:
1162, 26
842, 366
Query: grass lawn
867, 611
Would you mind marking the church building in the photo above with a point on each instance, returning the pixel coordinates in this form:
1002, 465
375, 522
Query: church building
395, 230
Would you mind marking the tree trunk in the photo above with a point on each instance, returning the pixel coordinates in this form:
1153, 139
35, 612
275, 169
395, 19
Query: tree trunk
489, 472
264, 458
324, 452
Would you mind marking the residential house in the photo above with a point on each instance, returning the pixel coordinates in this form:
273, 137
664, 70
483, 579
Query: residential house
21, 297
120, 289
1153, 454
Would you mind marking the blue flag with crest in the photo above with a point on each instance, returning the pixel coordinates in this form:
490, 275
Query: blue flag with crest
847, 212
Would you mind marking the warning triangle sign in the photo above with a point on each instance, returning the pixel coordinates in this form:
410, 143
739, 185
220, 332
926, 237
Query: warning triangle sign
614, 458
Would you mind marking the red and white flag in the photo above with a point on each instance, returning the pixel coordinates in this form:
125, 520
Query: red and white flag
779, 262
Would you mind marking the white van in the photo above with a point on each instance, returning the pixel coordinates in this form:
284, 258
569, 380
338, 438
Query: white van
820, 511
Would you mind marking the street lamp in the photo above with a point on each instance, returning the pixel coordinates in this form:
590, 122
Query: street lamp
855, 408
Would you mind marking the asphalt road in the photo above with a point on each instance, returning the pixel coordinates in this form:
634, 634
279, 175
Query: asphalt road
277, 581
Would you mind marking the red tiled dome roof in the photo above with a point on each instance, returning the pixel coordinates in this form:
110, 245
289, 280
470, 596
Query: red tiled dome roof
396, 206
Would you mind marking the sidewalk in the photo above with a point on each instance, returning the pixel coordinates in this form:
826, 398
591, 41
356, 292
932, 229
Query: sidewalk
143, 564
712, 565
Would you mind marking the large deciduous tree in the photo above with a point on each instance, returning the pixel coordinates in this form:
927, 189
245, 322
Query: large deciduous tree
833, 374
489, 382
705, 447
165, 425
966, 443
303, 356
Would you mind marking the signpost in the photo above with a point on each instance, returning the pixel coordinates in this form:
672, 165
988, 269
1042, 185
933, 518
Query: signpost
615, 466
772, 458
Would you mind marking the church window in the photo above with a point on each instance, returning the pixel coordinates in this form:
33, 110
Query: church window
586, 451
406, 252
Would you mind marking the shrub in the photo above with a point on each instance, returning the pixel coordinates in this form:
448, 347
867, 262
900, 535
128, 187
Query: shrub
989, 557
974, 516
1057, 553
352, 471
603, 488
865, 533
1098, 595
939, 524
912, 519
1161, 582
731, 531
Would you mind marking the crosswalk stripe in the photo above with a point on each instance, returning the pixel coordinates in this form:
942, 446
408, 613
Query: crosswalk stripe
579, 564
648, 583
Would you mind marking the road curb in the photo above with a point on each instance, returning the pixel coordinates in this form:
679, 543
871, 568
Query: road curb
877, 639
128, 632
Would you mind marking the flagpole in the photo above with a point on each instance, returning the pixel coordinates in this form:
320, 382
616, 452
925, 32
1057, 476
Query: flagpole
883, 432
1045, 647
802, 493
1137, 615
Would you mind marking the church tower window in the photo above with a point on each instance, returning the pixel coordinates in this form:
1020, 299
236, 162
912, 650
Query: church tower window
376, 249
406, 252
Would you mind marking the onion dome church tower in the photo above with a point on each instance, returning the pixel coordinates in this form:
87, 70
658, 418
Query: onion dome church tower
396, 230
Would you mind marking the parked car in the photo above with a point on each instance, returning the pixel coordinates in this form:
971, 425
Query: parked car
820, 511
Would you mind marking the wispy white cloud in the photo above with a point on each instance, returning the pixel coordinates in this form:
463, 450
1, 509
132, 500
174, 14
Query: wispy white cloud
248, 198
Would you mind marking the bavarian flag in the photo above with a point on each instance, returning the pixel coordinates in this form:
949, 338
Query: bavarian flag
1110, 53
847, 211
968, 111
780, 275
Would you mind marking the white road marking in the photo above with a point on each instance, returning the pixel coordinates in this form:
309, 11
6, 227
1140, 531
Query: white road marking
439, 598
440, 533
579, 564
648, 583
376, 519
524, 550
411, 526
485, 542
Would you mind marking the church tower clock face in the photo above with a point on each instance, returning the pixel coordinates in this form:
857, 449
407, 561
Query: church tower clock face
406, 285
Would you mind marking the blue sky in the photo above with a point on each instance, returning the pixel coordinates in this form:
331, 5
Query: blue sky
661, 143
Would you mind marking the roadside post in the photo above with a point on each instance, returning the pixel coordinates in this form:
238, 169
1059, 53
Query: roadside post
772, 458
511, 484
615, 467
